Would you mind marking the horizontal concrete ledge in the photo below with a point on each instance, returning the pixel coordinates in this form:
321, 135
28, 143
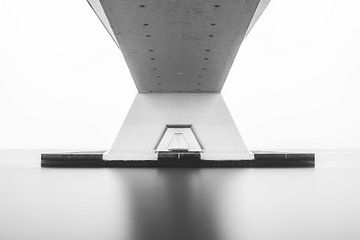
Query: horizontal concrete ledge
262, 160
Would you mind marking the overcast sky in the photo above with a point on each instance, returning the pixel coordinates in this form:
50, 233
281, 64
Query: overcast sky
294, 83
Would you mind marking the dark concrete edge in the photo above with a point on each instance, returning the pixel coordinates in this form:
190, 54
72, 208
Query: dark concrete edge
262, 160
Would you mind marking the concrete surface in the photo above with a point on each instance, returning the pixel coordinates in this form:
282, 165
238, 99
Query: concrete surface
205, 112
179, 45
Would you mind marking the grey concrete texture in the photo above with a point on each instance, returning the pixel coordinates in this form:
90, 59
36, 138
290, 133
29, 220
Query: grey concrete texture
179, 45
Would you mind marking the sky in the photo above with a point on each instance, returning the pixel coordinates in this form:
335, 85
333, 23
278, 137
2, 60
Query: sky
294, 83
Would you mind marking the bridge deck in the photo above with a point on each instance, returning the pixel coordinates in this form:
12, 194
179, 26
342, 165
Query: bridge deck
179, 45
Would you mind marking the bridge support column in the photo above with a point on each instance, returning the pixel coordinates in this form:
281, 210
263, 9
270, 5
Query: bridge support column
152, 113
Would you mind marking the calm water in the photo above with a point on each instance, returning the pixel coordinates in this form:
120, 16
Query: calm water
320, 203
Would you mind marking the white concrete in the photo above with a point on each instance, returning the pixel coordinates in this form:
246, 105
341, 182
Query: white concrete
259, 10
151, 113
96, 6
178, 139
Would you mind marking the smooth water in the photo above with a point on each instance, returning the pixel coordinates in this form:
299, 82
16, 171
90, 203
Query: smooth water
50, 203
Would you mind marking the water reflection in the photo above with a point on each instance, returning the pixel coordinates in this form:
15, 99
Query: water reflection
172, 203
231, 204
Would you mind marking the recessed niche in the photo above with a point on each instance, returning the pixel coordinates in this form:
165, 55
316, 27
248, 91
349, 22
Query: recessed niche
211, 35
206, 58
148, 35
142, 5
213, 24
152, 58
154, 69
204, 69
151, 50
146, 24
216, 5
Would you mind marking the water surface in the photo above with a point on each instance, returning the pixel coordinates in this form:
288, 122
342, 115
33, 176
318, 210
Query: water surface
50, 203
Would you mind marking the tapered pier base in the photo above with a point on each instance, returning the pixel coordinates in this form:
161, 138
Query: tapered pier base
194, 122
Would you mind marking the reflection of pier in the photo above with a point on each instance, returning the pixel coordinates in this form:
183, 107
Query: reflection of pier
172, 203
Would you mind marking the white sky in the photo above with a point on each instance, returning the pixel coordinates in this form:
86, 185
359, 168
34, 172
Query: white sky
294, 83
